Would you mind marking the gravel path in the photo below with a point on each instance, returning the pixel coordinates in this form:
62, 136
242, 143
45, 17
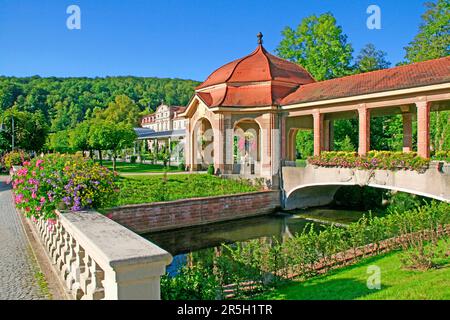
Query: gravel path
17, 265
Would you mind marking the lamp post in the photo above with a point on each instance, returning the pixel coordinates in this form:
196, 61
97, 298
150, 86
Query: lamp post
12, 131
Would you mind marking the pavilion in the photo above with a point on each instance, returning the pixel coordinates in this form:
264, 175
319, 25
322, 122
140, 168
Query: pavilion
244, 117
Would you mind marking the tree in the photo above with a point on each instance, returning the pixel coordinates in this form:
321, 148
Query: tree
59, 142
30, 130
79, 137
345, 129
319, 45
123, 110
433, 39
304, 143
371, 59
345, 145
106, 135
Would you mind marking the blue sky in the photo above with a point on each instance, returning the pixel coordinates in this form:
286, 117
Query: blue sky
176, 38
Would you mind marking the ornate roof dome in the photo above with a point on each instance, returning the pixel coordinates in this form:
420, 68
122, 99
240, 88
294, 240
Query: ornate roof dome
259, 78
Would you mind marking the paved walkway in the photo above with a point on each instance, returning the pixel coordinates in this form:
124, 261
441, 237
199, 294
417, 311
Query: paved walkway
17, 265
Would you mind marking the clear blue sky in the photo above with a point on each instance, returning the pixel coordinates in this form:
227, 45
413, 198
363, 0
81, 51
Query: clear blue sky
175, 38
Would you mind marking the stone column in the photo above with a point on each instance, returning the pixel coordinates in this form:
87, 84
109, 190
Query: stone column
219, 142
228, 144
326, 137
267, 124
318, 131
284, 137
364, 130
407, 132
423, 128
187, 146
292, 148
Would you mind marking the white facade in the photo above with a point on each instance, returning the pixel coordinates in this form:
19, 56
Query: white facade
165, 118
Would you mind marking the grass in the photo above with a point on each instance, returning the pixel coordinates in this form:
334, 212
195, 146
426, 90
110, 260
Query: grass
38, 275
126, 167
146, 189
350, 283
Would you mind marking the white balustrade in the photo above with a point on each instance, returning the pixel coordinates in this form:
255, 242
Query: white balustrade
99, 259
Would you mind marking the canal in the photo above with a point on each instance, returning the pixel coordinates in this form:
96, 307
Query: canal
189, 245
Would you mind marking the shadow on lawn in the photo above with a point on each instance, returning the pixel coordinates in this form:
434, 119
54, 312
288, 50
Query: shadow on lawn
333, 289
324, 288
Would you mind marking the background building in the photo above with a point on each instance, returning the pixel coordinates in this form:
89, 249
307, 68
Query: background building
165, 127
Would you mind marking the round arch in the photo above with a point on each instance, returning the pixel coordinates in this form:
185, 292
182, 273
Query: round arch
247, 146
319, 194
202, 137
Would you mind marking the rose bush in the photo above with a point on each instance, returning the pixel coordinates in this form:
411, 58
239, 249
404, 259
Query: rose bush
67, 182
387, 160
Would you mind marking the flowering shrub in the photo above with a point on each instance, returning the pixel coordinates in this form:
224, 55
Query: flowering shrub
15, 158
387, 160
61, 182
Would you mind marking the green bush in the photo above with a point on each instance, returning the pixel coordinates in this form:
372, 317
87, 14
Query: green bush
196, 283
133, 159
211, 169
182, 166
15, 158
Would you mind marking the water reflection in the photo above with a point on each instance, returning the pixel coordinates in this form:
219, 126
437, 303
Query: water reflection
204, 240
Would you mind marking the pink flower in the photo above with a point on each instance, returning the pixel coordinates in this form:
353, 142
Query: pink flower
109, 216
34, 195
22, 172
39, 162
19, 198
26, 163
42, 200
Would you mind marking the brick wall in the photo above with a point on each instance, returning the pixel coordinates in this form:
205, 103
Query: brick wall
158, 216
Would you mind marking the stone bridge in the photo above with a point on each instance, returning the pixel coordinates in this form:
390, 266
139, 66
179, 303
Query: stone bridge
316, 186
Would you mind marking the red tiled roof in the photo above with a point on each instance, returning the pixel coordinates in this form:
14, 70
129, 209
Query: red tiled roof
257, 67
403, 77
259, 79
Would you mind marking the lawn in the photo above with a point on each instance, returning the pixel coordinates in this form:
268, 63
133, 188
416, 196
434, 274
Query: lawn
349, 283
126, 167
153, 188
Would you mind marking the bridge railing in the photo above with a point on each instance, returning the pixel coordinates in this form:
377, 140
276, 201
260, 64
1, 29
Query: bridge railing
96, 258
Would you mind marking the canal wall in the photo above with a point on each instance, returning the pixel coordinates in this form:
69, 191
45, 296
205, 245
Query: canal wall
159, 216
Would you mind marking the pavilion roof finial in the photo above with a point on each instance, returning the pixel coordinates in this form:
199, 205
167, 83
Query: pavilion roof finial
260, 36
